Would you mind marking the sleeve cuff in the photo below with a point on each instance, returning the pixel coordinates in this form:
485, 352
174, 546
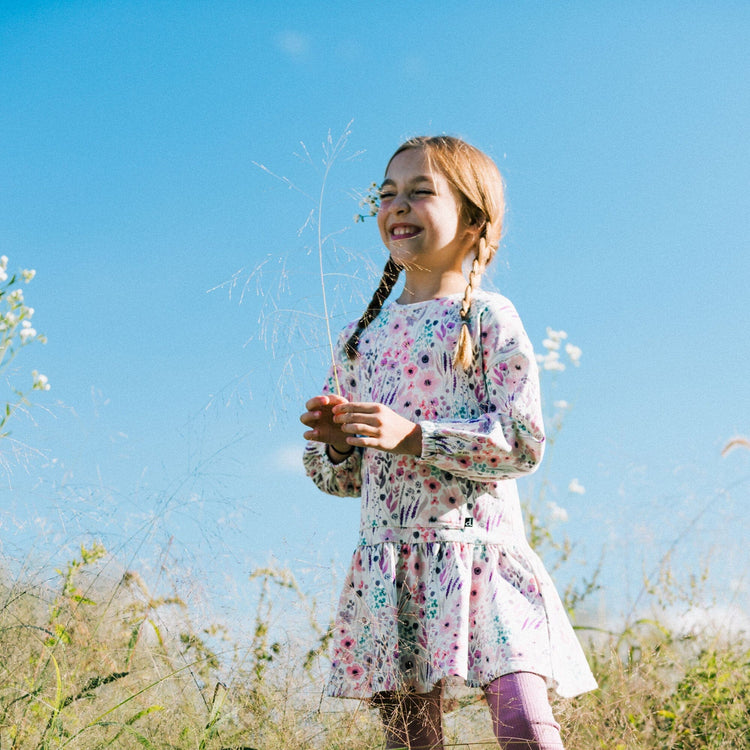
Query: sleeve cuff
428, 440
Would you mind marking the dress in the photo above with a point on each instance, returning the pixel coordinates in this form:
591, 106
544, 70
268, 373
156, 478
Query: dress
443, 583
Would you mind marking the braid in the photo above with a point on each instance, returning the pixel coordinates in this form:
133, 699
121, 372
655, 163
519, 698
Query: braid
388, 280
485, 252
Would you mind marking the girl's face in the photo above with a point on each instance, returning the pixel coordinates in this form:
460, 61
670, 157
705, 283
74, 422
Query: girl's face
420, 218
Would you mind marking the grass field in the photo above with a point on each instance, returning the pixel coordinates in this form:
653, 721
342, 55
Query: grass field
92, 660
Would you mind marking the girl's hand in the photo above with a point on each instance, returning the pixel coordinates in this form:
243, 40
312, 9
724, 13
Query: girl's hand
319, 418
371, 425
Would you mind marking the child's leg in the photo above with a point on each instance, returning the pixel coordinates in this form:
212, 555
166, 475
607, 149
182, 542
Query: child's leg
412, 720
521, 715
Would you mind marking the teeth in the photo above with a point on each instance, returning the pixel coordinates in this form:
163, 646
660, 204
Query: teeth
401, 231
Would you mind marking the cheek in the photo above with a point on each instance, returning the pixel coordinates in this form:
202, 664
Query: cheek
381, 222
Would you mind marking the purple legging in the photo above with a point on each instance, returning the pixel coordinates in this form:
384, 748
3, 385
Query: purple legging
521, 716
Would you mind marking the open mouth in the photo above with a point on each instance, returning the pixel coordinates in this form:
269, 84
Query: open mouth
404, 231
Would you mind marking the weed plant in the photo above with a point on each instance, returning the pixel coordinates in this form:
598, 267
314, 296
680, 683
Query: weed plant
94, 660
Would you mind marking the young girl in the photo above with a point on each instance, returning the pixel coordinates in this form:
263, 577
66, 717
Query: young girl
439, 411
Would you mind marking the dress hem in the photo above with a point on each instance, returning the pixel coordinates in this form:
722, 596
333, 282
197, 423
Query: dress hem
459, 682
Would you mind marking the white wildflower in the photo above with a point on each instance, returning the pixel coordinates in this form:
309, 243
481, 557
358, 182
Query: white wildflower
3, 275
556, 513
26, 332
41, 382
4, 262
551, 344
574, 352
551, 361
16, 296
556, 335
28, 274
561, 404
576, 487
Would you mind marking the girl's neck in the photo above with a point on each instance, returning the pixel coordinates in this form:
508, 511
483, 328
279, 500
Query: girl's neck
423, 287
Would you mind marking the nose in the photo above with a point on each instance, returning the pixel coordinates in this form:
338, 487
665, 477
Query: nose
400, 204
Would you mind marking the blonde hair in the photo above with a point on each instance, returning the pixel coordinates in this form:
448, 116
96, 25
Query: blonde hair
479, 185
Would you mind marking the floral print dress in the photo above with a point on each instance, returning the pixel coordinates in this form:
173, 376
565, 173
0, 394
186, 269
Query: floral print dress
443, 583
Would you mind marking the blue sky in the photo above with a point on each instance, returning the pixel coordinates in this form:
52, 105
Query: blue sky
130, 139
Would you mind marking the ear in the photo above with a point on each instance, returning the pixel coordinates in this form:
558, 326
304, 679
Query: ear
475, 228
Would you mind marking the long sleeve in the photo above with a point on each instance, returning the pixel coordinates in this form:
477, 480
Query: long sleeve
343, 479
507, 438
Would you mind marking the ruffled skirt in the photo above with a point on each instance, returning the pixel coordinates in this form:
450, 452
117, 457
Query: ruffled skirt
413, 615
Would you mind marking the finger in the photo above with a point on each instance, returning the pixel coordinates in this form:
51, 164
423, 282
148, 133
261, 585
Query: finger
318, 402
334, 399
310, 418
359, 441
352, 407
315, 436
356, 417
359, 428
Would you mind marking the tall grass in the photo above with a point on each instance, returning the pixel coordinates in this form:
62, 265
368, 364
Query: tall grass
93, 660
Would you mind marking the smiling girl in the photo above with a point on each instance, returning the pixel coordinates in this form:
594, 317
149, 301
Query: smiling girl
439, 413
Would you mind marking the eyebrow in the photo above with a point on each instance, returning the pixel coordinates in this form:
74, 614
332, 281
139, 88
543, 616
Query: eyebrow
418, 178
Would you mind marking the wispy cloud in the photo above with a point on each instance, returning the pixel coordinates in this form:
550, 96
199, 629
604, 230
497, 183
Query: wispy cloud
293, 44
725, 620
288, 459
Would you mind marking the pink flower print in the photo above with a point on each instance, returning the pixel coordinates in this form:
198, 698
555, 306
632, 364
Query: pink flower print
354, 671
410, 371
416, 566
432, 485
424, 359
515, 369
344, 657
428, 383
347, 643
